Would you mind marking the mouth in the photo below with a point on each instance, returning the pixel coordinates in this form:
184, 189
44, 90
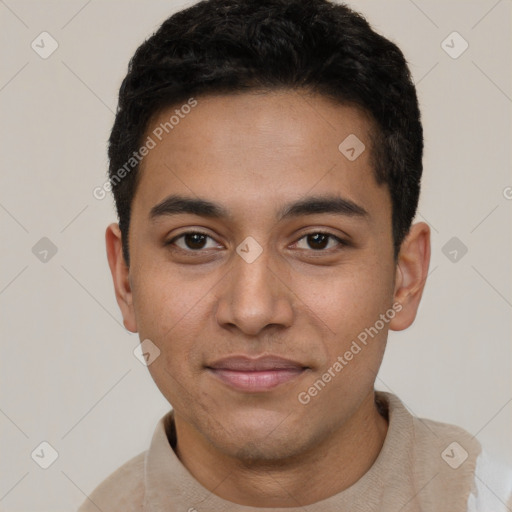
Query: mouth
256, 374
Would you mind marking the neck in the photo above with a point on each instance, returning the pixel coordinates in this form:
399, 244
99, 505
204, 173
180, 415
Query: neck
351, 449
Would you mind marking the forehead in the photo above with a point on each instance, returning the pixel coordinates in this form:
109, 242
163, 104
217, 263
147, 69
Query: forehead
259, 149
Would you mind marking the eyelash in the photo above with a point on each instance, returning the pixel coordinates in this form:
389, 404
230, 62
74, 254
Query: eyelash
341, 243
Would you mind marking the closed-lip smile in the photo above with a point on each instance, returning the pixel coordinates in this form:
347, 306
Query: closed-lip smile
255, 374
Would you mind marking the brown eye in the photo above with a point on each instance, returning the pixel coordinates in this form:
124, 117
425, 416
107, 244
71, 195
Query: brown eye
318, 241
193, 241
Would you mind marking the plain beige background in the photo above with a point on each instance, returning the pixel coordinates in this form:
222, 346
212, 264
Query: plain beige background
68, 373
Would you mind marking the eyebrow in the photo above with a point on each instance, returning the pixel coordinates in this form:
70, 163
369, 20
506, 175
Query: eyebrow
321, 204
176, 204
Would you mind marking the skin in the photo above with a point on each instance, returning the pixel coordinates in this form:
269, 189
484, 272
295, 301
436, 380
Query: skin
252, 154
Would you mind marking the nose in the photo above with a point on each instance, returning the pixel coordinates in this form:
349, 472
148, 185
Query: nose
254, 296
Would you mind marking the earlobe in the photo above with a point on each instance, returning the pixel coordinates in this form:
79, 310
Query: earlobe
411, 274
120, 276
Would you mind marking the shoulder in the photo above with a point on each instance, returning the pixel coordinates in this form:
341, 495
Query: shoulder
451, 444
122, 491
463, 465
432, 441
448, 468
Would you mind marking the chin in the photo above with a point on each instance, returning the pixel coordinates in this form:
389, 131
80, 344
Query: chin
266, 451
259, 437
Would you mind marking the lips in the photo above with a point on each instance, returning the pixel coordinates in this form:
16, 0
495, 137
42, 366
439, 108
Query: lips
256, 374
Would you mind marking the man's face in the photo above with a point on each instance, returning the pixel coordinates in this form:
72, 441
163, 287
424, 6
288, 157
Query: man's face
305, 298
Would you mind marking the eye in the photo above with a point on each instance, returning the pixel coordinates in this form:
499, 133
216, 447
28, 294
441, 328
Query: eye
319, 241
193, 241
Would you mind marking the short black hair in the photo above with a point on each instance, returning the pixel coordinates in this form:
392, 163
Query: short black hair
234, 46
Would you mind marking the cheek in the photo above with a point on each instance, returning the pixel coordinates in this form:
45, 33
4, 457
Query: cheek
171, 316
174, 312
162, 302
350, 299
166, 317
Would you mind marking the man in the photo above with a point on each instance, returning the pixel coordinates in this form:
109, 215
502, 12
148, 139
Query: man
266, 160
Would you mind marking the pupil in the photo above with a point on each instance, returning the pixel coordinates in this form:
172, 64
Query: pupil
318, 241
195, 240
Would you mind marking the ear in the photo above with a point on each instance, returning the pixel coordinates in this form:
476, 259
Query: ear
120, 275
411, 275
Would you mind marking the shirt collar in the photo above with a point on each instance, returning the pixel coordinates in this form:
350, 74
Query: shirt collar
169, 487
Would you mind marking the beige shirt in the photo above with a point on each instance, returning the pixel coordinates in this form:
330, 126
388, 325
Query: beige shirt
423, 466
